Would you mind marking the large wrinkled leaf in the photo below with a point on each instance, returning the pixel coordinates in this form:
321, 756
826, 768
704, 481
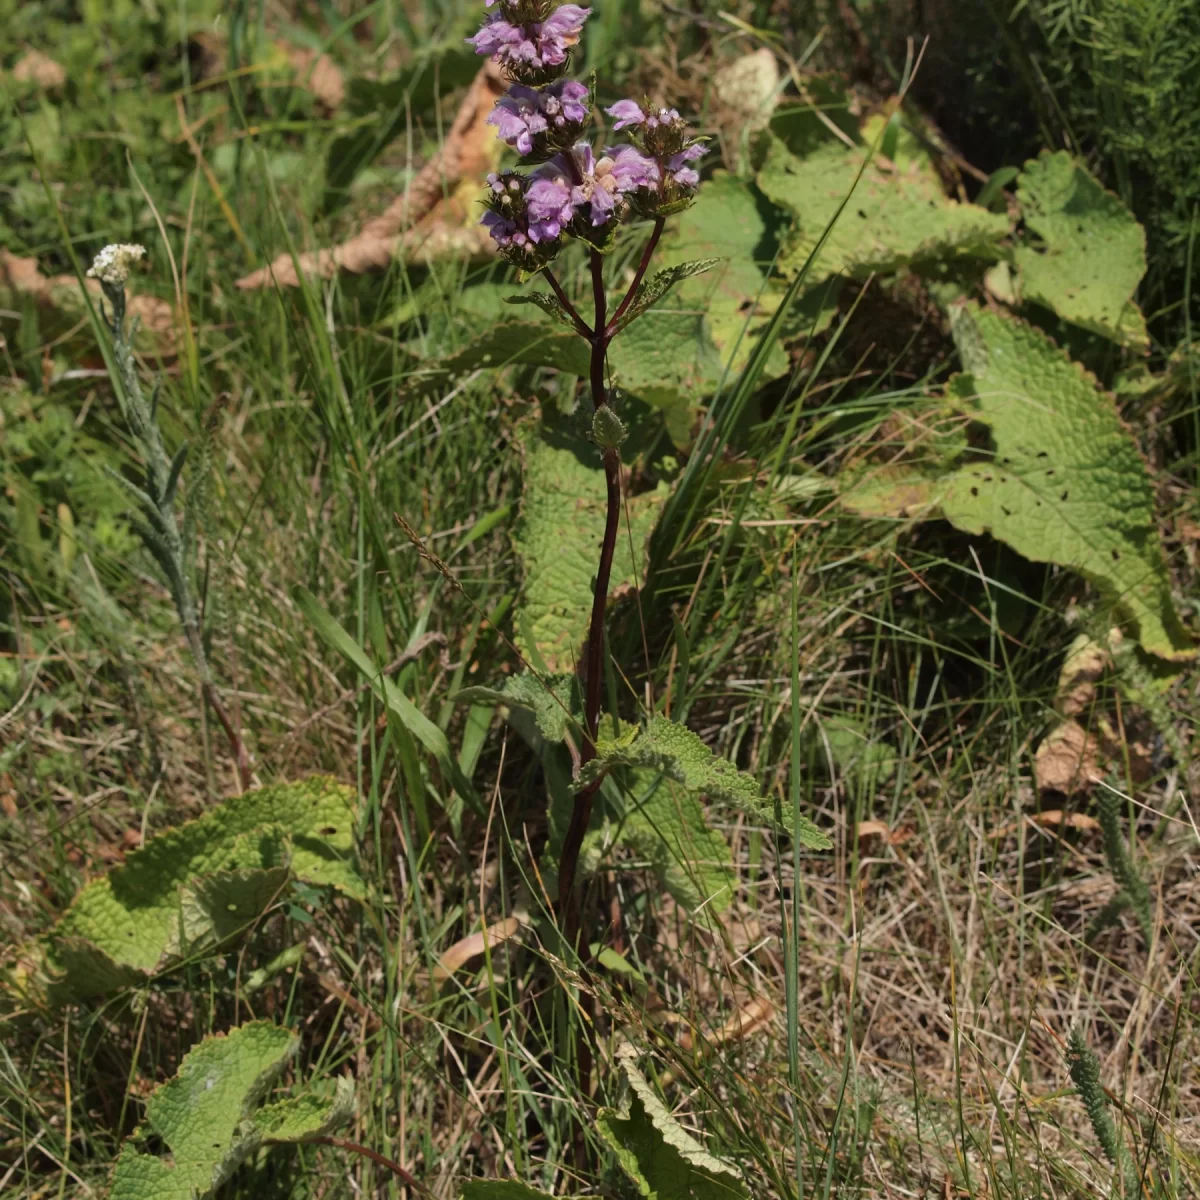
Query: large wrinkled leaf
680, 755
665, 823
1089, 254
554, 701
733, 223
197, 886
500, 1189
895, 217
1063, 481
668, 359
209, 1121
661, 1158
1066, 483
558, 540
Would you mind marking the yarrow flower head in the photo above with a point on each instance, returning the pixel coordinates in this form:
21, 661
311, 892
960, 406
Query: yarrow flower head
531, 39
538, 121
113, 264
662, 136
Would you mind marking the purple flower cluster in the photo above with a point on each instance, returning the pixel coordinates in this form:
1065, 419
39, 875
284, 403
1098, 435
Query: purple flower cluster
530, 49
665, 138
572, 191
533, 120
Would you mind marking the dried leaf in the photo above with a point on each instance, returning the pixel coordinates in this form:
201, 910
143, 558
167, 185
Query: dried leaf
1085, 663
319, 74
1072, 820
422, 224
39, 69
1068, 760
474, 945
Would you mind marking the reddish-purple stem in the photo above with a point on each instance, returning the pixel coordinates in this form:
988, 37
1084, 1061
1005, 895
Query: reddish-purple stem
611, 327
581, 326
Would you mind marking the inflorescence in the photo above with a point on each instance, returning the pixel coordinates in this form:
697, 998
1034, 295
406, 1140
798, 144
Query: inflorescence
572, 191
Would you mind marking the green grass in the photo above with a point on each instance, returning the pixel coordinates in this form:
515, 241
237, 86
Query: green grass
913, 992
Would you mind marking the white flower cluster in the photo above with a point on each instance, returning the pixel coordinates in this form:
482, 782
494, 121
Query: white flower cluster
113, 263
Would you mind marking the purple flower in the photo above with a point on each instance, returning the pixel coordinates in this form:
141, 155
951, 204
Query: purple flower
632, 169
551, 205
664, 116
505, 42
535, 44
525, 112
504, 230
678, 172
627, 113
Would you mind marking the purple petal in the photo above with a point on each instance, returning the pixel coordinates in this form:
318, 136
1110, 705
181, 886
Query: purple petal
566, 21
627, 113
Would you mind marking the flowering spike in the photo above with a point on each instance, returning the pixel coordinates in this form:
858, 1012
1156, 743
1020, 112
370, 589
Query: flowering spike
531, 39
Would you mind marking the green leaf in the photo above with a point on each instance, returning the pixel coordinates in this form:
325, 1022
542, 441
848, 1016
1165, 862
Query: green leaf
200, 885
855, 754
558, 541
505, 344
500, 1189
1089, 253
668, 360
680, 755
1065, 483
208, 1118
651, 291
665, 823
411, 717
554, 701
736, 224
548, 303
895, 217
661, 1158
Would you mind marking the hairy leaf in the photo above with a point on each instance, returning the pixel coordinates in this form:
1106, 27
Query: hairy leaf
661, 1158
554, 700
895, 216
500, 1189
679, 754
652, 290
201, 884
548, 303
1089, 254
665, 824
208, 1117
558, 541
1065, 483
735, 223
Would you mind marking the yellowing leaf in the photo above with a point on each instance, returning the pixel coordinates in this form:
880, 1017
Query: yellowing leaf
209, 1121
1090, 252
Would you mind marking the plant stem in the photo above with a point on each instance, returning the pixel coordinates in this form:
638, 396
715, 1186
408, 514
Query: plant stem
581, 326
340, 1143
659, 224
594, 653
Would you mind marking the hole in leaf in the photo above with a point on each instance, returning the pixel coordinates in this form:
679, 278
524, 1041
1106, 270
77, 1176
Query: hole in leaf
327, 830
